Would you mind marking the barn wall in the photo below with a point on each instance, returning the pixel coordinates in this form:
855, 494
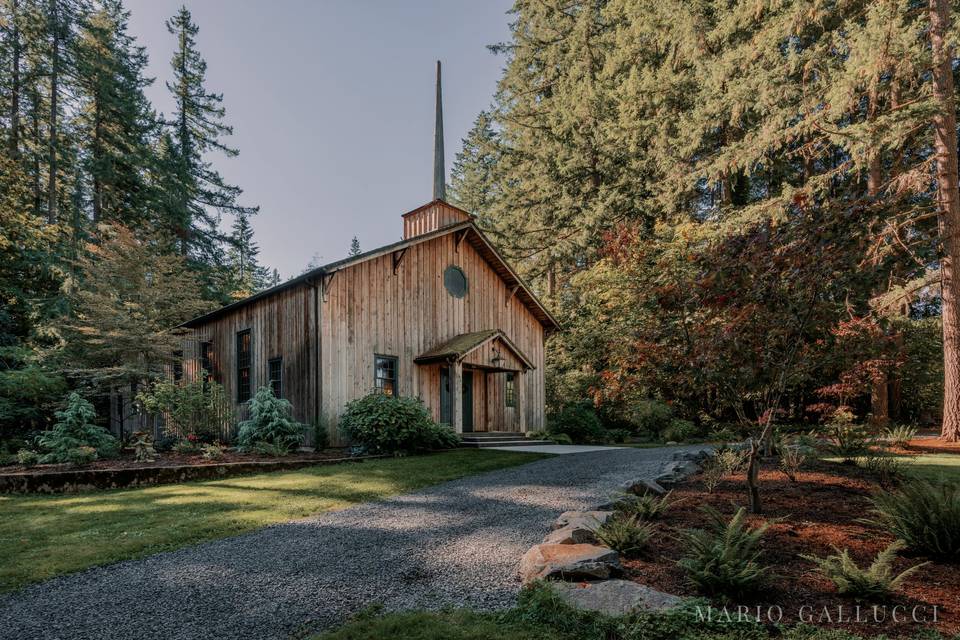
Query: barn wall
281, 325
369, 310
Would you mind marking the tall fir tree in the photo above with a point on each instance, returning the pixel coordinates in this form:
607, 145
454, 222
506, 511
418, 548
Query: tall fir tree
198, 130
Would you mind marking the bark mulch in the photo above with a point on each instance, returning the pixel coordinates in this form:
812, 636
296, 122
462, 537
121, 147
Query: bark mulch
814, 514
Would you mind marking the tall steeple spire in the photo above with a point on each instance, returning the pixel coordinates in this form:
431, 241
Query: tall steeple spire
439, 174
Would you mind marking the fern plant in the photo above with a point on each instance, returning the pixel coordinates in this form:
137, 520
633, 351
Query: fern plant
645, 507
900, 435
874, 583
923, 514
627, 535
723, 558
792, 458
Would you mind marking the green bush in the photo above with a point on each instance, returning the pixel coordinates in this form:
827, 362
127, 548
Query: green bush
270, 423
74, 429
393, 424
874, 583
647, 416
627, 535
645, 507
847, 438
560, 438
923, 514
722, 559
212, 451
580, 422
679, 430
196, 407
619, 435
27, 457
79, 456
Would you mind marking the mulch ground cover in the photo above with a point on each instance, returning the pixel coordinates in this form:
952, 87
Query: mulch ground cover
819, 511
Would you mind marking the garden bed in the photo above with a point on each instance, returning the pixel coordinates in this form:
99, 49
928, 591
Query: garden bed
818, 512
167, 468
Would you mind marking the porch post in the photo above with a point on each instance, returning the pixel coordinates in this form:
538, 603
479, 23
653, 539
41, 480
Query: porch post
456, 381
521, 418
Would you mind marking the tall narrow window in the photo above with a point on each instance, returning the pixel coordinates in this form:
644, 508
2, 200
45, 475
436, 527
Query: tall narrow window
385, 374
244, 348
510, 390
177, 366
206, 359
275, 367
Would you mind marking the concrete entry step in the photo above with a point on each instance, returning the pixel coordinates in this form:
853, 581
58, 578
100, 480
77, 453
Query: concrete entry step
496, 435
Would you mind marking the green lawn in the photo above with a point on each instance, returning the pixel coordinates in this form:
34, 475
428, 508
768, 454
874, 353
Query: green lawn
44, 536
933, 466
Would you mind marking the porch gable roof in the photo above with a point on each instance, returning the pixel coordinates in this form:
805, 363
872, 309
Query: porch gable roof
458, 347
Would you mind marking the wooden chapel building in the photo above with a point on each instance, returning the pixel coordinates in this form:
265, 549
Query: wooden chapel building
439, 315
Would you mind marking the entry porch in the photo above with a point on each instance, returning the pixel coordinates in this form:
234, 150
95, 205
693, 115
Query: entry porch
480, 378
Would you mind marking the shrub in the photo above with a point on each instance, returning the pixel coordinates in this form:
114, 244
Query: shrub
27, 457
212, 451
679, 431
712, 474
186, 445
74, 429
732, 460
645, 507
580, 422
143, 449
792, 457
900, 435
270, 423
618, 435
200, 407
165, 443
561, 438
79, 456
627, 535
393, 424
923, 514
847, 439
650, 416
888, 469
321, 436
723, 557
876, 582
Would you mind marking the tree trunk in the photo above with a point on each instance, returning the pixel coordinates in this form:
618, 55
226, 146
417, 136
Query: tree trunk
54, 79
948, 211
14, 81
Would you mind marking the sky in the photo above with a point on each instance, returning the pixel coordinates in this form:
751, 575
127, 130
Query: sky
332, 104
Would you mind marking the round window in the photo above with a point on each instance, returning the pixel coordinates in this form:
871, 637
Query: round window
455, 280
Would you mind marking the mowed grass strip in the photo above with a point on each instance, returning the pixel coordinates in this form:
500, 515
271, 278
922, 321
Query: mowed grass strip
42, 536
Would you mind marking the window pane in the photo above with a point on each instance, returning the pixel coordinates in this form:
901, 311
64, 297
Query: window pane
385, 374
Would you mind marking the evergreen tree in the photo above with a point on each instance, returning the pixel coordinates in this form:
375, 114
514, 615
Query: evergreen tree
197, 130
354, 247
473, 181
115, 121
246, 276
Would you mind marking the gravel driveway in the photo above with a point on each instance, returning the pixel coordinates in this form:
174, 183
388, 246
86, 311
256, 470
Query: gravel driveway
456, 543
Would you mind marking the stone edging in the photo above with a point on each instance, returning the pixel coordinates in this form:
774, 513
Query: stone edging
584, 573
93, 479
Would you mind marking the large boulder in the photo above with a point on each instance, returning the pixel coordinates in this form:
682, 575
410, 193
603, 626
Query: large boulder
677, 471
614, 597
580, 527
569, 562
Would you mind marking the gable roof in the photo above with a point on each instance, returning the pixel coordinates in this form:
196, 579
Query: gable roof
458, 347
472, 234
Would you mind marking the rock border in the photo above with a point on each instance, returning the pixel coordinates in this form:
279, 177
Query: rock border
583, 572
80, 480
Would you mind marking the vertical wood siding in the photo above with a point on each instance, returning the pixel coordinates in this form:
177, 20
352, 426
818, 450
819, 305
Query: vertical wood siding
281, 325
369, 310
